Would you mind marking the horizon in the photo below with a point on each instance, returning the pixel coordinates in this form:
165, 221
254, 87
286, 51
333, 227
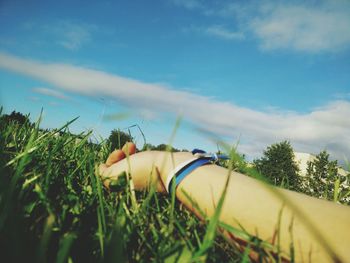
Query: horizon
246, 72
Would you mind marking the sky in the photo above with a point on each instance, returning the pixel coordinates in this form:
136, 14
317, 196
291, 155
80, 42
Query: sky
250, 73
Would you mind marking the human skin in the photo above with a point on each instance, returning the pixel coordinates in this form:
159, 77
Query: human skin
248, 203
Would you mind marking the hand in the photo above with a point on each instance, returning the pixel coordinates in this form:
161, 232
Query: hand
141, 166
145, 168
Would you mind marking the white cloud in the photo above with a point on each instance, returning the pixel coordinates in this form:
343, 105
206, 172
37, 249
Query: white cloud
189, 4
224, 33
51, 93
306, 26
33, 98
326, 127
302, 27
67, 34
71, 35
342, 96
218, 31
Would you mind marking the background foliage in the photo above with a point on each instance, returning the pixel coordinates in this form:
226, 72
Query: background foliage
322, 179
279, 166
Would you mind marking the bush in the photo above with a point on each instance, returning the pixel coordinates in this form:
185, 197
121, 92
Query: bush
117, 139
278, 165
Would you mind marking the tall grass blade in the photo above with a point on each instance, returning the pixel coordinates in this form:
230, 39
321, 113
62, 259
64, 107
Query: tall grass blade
65, 245
44, 242
214, 220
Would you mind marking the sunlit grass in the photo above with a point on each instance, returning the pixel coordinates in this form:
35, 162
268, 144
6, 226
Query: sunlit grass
53, 208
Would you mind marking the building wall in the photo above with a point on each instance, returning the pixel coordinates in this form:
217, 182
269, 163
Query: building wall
303, 158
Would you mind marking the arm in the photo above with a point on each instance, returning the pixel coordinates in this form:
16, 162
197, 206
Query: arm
248, 202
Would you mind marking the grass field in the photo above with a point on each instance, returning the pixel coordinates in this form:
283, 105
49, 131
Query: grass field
53, 208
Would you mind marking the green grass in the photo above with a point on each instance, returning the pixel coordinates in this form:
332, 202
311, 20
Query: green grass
53, 208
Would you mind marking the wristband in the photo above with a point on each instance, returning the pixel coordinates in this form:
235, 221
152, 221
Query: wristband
182, 170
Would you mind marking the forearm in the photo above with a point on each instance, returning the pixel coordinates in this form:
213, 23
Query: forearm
248, 203
256, 207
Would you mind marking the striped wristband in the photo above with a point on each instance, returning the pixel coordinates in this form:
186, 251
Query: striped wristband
182, 170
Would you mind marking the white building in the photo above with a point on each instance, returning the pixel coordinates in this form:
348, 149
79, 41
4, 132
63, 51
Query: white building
303, 158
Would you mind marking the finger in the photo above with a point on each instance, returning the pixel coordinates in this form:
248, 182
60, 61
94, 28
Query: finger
114, 157
102, 168
129, 148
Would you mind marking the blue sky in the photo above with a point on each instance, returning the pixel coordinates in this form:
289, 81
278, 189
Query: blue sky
254, 71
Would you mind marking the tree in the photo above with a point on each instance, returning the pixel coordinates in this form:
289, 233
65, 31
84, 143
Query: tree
322, 174
16, 117
165, 147
118, 138
148, 147
279, 166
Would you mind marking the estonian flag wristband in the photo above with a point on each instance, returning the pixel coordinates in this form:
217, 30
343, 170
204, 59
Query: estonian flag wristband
182, 170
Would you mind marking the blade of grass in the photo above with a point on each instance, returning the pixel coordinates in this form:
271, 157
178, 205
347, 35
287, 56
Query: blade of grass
65, 245
44, 242
23, 160
101, 220
173, 192
336, 190
214, 220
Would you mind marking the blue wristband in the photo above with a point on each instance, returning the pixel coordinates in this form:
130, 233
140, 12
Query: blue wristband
179, 176
201, 158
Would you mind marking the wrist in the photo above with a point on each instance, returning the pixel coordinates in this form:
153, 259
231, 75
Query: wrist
167, 161
151, 167
145, 168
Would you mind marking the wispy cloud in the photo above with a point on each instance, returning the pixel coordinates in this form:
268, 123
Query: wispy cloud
189, 4
34, 98
294, 25
70, 35
67, 34
326, 127
224, 33
51, 93
217, 31
303, 27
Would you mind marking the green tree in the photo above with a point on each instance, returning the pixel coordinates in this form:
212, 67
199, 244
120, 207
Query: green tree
165, 147
16, 117
322, 174
118, 138
279, 166
148, 147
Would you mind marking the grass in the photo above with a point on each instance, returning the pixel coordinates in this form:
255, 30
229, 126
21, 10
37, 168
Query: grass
53, 208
